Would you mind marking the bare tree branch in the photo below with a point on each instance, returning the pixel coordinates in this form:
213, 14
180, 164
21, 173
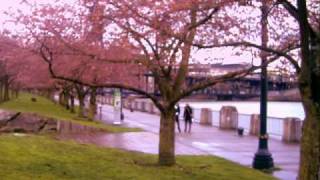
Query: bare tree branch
293, 11
218, 79
249, 44
204, 20
48, 58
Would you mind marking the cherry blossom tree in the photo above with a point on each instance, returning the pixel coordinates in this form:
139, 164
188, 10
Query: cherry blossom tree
131, 38
166, 32
309, 85
143, 29
6, 74
21, 68
307, 21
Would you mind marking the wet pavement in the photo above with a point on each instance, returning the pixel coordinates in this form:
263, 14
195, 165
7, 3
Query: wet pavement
203, 140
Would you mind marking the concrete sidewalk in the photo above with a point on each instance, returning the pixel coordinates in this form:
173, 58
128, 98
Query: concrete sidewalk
202, 140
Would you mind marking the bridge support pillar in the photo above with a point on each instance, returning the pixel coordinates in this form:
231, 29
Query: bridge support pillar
143, 106
135, 105
255, 124
292, 129
206, 117
110, 100
228, 117
151, 108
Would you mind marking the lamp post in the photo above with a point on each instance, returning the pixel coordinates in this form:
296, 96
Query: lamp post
263, 158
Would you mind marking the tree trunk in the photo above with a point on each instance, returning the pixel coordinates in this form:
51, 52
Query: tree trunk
66, 100
309, 84
310, 145
12, 93
92, 104
167, 140
61, 98
1, 91
81, 93
309, 167
6, 89
81, 106
17, 93
49, 93
72, 110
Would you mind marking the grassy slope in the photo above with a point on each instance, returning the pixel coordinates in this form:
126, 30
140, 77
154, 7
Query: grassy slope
47, 108
40, 157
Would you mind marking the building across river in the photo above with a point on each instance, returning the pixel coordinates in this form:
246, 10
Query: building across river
282, 86
244, 88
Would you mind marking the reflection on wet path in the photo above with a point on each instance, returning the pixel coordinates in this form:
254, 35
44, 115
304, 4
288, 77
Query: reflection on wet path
67, 127
146, 142
130, 141
84, 134
203, 140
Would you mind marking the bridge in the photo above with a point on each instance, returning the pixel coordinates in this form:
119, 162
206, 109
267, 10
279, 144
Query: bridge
239, 89
242, 88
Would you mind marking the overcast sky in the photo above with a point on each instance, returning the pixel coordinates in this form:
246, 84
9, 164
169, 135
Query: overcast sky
219, 56
5, 5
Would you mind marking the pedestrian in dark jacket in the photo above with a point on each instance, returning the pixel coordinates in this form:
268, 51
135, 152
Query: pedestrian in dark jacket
177, 113
187, 117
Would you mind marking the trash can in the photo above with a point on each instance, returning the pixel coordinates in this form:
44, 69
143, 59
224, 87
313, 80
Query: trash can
240, 131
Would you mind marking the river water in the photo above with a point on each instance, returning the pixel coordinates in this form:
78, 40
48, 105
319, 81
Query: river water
275, 109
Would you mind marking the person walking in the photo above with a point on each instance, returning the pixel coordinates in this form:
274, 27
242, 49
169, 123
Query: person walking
187, 117
177, 113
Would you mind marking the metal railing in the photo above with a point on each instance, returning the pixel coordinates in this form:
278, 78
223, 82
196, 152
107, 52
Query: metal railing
275, 126
244, 121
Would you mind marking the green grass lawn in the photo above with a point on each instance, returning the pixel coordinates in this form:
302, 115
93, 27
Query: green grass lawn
42, 157
47, 108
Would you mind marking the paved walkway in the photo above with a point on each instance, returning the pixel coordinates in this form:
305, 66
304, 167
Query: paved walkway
202, 140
